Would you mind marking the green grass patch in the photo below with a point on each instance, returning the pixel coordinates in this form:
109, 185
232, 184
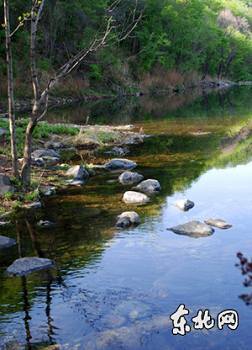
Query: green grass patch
41, 132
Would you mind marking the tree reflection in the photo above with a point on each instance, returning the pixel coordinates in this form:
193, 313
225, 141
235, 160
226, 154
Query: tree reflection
245, 266
25, 292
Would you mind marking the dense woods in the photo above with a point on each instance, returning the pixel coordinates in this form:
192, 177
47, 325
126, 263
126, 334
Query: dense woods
176, 43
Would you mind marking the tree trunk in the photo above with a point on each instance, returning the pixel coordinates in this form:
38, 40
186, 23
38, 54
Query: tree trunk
11, 104
26, 167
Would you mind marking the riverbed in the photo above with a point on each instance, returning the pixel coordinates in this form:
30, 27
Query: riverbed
115, 289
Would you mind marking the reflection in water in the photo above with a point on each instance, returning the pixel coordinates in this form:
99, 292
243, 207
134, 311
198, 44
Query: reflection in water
116, 289
246, 269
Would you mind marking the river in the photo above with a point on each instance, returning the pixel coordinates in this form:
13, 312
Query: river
117, 289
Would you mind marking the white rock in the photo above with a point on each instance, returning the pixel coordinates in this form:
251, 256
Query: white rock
131, 197
184, 204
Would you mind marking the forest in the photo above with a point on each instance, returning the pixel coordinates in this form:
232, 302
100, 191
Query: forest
176, 43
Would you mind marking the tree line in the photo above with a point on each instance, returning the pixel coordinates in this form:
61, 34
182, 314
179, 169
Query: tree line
47, 40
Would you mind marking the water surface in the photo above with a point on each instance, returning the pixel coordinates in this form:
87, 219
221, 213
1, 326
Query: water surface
116, 289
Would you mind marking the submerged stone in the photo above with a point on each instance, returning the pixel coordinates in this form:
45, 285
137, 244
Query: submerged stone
184, 204
6, 242
130, 178
120, 164
24, 266
127, 219
149, 186
131, 197
195, 229
219, 223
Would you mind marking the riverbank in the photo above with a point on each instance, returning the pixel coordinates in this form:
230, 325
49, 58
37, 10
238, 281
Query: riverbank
25, 104
57, 148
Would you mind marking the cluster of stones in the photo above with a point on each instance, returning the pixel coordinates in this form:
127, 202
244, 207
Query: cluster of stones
197, 229
138, 195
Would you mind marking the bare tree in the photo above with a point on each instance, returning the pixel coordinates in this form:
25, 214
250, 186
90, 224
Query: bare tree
10, 83
41, 96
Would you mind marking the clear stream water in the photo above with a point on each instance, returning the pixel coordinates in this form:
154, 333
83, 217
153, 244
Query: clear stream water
117, 289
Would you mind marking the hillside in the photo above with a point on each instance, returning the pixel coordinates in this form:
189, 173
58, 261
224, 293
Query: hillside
176, 44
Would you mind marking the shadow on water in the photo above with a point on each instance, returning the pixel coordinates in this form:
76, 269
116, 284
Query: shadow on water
115, 290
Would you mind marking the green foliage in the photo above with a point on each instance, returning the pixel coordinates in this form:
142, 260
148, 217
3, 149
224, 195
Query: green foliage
211, 37
95, 72
42, 131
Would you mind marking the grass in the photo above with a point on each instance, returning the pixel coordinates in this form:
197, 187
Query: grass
41, 132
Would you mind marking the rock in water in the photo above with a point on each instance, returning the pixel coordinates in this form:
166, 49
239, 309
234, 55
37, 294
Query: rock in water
5, 185
219, 223
149, 186
78, 172
131, 197
120, 164
184, 204
130, 178
127, 219
6, 242
194, 229
24, 266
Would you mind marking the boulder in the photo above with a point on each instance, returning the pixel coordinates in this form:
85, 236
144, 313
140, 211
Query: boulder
131, 197
194, 229
120, 164
6, 242
127, 219
149, 186
184, 204
219, 223
78, 172
44, 153
24, 266
5, 185
130, 178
